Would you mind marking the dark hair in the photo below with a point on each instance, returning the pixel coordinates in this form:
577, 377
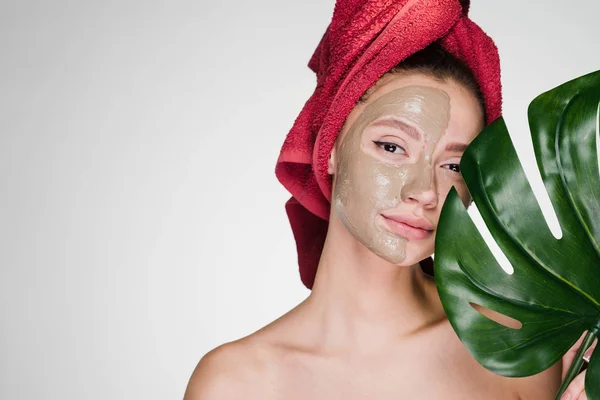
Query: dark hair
436, 62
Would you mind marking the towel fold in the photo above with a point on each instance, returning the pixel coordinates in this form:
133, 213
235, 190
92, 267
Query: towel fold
364, 40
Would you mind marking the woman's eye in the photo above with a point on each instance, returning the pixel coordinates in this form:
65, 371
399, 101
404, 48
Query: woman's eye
390, 147
453, 167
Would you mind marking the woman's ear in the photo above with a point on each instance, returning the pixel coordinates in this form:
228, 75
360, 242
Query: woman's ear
331, 162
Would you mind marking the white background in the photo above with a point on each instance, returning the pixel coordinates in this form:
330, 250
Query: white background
141, 223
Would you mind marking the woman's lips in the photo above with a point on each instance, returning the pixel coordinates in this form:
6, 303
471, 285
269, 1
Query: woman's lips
405, 230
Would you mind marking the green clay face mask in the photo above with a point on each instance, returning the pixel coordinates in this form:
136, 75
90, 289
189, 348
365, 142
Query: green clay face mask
367, 184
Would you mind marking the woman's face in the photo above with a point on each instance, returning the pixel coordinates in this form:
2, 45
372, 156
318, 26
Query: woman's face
395, 160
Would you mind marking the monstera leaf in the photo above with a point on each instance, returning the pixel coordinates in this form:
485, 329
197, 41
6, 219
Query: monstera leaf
554, 291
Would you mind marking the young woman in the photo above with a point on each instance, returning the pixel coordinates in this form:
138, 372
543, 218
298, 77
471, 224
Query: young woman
373, 326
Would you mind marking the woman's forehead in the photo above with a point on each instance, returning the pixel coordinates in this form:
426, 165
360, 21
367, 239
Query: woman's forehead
393, 81
423, 108
466, 114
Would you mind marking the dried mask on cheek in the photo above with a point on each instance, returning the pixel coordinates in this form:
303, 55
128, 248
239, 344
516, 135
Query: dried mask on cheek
366, 185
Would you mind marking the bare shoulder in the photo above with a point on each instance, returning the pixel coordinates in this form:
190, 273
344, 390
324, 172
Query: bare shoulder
234, 370
247, 368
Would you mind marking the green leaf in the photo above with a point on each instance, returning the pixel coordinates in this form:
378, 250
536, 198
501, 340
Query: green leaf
555, 288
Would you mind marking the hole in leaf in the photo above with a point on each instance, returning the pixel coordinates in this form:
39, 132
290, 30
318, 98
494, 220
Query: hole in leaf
497, 317
498, 254
526, 155
546, 207
527, 158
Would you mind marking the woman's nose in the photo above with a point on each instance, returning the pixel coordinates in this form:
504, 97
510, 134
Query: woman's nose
420, 186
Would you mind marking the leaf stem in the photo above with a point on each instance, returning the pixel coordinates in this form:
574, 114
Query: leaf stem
575, 367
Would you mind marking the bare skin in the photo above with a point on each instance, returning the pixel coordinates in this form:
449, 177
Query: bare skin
373, 328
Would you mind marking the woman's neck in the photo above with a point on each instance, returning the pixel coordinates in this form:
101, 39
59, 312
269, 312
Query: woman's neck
364, 302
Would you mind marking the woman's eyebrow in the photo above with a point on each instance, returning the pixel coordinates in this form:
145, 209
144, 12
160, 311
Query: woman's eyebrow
403, 126
456, 147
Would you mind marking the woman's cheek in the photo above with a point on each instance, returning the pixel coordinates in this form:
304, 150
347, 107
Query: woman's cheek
463, 192
458, 184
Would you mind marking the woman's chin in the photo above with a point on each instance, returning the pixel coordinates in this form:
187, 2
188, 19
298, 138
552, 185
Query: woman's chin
408, 259
413, 256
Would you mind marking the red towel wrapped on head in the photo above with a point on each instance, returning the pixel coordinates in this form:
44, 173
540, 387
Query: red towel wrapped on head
365, 39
